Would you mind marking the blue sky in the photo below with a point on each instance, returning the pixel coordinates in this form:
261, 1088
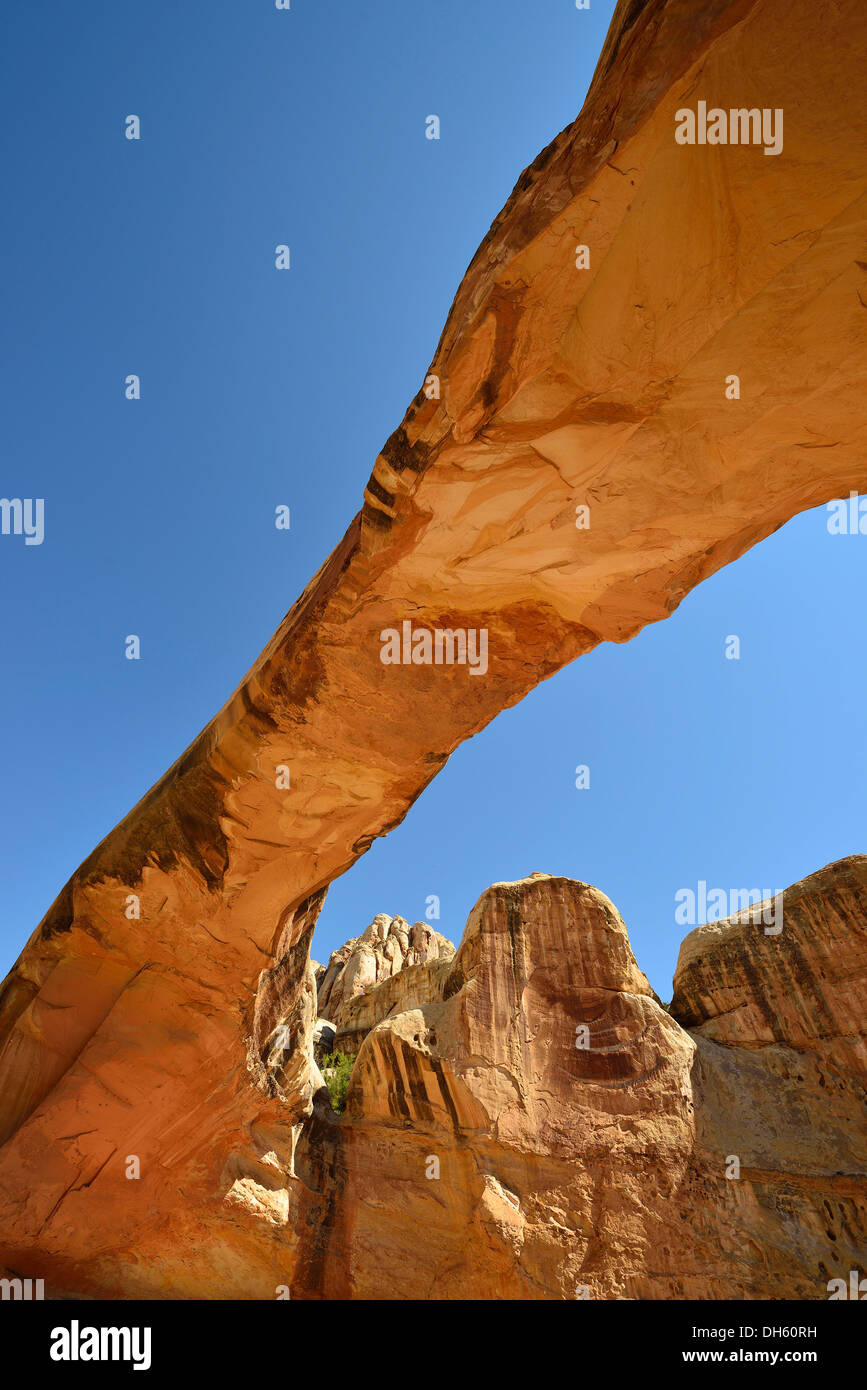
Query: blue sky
156, 257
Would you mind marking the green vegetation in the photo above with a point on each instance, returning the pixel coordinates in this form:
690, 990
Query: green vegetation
337, 1071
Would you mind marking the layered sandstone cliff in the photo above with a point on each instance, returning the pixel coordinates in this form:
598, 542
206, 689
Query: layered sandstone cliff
376, 972
417, 985
183, 1036
546, 1129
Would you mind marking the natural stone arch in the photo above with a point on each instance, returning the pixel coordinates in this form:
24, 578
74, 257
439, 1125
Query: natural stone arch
560, 387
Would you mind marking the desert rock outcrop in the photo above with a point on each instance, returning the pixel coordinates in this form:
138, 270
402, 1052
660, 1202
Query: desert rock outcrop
184, 1035
387, 948
555, 1132
417, 985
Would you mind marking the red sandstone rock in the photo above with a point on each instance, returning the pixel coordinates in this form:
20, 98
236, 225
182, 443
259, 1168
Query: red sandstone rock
543, 1162
184, 1036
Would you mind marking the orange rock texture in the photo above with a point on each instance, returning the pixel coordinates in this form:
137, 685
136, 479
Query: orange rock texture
163, 1009
555, 1132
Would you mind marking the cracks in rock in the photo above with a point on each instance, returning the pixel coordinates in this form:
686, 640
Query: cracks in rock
73, 1188
633, 169
260, 949
807, 231
219, 939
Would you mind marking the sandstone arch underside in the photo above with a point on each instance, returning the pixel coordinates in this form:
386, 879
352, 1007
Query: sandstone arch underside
605, 387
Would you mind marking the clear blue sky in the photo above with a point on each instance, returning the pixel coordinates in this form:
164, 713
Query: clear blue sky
259, 387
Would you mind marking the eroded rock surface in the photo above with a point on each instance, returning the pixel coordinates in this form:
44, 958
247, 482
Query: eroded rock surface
547, 1129
387, 948
412, 987
183, 1035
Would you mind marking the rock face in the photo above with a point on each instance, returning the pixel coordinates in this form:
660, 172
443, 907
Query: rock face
554, 1132
742, 990
417, 985
183, 1035
387, 948
324, 1034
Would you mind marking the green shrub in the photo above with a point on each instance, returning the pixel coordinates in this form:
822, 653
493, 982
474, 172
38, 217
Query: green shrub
337, 1072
